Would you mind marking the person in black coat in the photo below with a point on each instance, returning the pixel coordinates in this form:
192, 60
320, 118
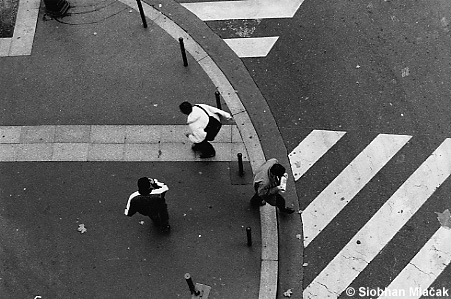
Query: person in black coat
150, 201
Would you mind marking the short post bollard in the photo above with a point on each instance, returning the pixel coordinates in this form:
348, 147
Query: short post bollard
240, 164
141, 12
249, 236
191, 286
218, 100
182, 48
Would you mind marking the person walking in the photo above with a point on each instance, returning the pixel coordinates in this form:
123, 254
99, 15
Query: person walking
204, 122
269, 182
150, 201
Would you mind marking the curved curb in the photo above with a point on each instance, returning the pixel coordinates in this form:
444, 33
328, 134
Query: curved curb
268, 218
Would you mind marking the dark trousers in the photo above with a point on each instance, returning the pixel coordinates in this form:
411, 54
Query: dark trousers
159, 213
160, 216
205, 148
257, 201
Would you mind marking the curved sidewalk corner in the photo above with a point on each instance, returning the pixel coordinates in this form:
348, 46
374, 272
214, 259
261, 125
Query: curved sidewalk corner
251, 114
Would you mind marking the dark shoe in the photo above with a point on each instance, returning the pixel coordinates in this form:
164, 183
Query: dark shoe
195, 147
288, 211
256, 201
166, 228
207, 155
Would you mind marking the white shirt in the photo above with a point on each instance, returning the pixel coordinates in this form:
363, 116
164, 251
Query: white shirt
198, 121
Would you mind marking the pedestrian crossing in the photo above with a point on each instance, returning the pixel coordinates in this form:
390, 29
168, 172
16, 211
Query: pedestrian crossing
354, 252
246, 10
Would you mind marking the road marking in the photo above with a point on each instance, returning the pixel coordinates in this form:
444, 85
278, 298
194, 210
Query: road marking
312, 147
381, 228
251, 46
240, 10
425, 267
349, 182
111, 143
22, 41
246, 10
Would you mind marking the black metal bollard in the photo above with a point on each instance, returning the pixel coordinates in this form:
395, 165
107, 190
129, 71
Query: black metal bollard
218, 100
191, 286
182, 48
240, 164
141, 12
249, 236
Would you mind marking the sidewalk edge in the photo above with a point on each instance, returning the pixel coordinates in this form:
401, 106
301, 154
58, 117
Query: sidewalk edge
269, 265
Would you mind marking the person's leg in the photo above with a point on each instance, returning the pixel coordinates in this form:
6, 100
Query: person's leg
155, 219
164, 217
280, 203
207, 150
257, 201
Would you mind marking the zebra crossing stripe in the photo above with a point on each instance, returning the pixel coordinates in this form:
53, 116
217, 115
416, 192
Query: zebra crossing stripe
349, 182
241, 10
312, 147
381, 228
251, 46
425, 267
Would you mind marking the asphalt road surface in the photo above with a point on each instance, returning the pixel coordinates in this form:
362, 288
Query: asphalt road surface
360, 92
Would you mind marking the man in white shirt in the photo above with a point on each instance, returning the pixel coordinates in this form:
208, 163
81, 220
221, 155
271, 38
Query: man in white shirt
204, 122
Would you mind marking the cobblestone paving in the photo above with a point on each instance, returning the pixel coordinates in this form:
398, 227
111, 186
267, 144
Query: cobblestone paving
8, 11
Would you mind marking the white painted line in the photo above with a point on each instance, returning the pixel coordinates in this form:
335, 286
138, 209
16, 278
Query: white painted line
250, 9
424, 268
381, 228
22, 41
311, 149
251, 46
349, 182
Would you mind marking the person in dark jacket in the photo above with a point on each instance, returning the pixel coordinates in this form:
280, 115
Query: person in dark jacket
268, 186
150, 201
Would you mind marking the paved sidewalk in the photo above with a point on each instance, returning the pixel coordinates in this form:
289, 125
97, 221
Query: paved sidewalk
94, 108
92, 90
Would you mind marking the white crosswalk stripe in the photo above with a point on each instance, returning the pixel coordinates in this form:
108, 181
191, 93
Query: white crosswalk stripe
420, 273
246, 10
313, 147
378, 231
349, 182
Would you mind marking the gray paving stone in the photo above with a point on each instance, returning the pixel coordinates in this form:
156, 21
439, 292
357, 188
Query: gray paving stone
34, 152
175, 133
72, 134
70, 151
108, 134
143, 134
176, 152
8, 152
9, 134
142, 152
106, 152
37, 134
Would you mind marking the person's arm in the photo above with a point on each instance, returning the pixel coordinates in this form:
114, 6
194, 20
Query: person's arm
129, 209
163, 188
268, 190
215, 110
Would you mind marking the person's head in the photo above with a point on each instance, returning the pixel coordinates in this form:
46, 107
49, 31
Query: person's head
186, 108
277, 170
144, 186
